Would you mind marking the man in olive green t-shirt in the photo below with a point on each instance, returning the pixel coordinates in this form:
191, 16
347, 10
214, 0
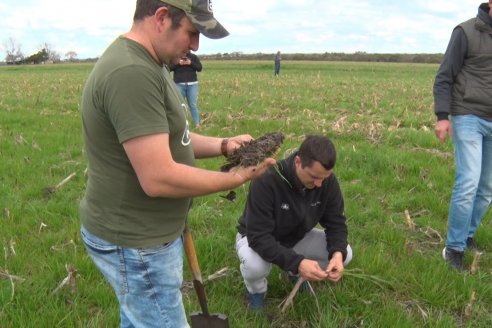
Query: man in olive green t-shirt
141, 158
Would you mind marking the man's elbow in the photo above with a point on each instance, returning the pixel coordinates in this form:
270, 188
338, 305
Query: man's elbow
151, 189
155, 190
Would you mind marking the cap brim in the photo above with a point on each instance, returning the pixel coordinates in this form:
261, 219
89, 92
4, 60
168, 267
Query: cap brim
208, 26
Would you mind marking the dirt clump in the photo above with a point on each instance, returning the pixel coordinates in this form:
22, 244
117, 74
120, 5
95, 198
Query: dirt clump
255, 151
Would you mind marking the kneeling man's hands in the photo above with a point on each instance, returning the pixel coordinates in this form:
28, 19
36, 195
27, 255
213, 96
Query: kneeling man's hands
335, 267
310, 270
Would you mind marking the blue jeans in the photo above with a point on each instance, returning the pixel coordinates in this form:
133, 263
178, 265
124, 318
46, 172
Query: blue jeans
472, 192
277, 68
146, 281
190, 94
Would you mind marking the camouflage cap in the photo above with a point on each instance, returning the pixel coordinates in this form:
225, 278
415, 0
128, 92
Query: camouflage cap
201, 14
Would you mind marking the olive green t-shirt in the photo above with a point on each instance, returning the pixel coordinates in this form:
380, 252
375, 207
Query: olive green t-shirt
128, 95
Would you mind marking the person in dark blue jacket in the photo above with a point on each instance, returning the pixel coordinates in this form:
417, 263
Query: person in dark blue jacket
278, 59
186, 79
278, 225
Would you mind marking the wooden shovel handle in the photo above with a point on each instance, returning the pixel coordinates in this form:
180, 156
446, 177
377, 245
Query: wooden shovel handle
189, 247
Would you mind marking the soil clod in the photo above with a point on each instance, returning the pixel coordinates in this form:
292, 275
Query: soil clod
254, 152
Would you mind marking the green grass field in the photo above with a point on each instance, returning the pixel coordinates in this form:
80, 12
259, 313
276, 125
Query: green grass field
380, 117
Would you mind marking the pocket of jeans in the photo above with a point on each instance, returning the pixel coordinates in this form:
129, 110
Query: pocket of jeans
96, 243
154, 249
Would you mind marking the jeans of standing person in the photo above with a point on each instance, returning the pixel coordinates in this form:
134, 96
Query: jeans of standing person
255, 270
277, 68
190, 93
147, 281
472, 192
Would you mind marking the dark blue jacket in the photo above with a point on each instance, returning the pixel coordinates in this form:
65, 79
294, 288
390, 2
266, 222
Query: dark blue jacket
187, 73
280, 211
454, 60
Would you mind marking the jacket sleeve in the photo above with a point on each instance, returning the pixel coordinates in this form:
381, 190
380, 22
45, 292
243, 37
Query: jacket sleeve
448, 70
195, 63
333, 220
260, 226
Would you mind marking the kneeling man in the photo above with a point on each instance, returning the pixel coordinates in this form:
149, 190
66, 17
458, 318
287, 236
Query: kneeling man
279, 221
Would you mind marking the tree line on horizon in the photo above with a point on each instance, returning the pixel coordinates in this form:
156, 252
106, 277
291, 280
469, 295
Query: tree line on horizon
46, 54
423, 58
360, 56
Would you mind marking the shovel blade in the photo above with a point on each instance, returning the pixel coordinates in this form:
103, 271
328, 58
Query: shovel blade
215, 320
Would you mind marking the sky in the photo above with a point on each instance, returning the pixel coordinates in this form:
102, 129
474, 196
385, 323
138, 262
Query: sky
255, 26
